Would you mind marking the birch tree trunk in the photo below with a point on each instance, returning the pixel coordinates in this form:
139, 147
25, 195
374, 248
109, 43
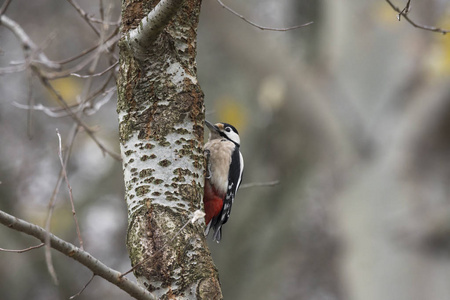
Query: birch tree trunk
161, 117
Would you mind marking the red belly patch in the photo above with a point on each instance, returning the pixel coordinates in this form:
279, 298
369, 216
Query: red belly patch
212, 201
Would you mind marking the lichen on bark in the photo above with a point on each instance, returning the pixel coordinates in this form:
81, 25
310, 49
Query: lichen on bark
161, 114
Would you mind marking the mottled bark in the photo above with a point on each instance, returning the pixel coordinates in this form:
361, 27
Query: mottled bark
161, 115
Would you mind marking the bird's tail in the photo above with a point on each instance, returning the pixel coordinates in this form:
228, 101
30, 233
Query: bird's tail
217, 230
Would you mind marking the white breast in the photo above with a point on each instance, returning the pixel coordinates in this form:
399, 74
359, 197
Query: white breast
220, 160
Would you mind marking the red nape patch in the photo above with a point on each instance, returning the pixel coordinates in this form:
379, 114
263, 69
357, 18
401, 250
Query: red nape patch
212, 201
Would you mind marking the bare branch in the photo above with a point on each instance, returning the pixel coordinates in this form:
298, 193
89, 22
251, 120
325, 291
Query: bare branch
97, 74
151, 25
93, 108
84, 287
30, 101
89, 131
404, 12
63, 166
86, 51
102, 47
102, 13
54, 112
58, 112
83, 257
84, 15
259, 26
104, 22
255, 184
13, 69
52, 203
27, 43
4, 7
23, 250
87, 18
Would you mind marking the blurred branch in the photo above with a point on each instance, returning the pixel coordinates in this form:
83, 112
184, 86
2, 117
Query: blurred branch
58, 112
97, 74
103, 47
23, 250
27, 43
84, 287
83, 257
404, 12
255, 184
63, 166
86, 51
30, 102
52, 203
89, 131
13, 69
54, 112
84, 15
4, 7
89, 19
259, 26
141, 37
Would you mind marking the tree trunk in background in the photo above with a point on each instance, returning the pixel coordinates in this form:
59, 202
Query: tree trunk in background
161, 115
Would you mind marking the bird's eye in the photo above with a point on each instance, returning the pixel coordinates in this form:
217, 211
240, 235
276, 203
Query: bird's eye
228, 129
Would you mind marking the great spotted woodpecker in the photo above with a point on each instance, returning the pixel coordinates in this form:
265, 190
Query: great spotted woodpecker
225, 166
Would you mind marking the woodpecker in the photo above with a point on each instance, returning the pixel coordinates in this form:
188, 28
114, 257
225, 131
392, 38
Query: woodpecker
225, 166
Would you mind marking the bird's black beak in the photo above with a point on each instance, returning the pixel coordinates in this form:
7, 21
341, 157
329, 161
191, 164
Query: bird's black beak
211, 127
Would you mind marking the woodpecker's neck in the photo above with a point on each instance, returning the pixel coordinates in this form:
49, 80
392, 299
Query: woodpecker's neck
236, 144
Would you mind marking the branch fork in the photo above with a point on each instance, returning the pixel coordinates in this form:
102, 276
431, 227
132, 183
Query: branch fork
142, 37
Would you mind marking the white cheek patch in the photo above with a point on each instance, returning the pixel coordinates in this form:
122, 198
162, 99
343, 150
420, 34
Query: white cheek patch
234, 137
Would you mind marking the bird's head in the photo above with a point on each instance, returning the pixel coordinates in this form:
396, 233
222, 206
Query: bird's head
223, 130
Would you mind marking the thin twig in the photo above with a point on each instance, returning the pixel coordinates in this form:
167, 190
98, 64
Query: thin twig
23, 250
104, 46
255, 184
96, 74
259, 26
54, 112
58, 112
95, 107
52, 203
89, 131
102, 13
30, 102
63, 166
13, 69
84, 15
404, 12
84, 287
27, 43
86, 51
110, 23
4, 7
81, 256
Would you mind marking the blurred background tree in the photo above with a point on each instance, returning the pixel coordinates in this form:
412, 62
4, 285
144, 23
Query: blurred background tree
350, 114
